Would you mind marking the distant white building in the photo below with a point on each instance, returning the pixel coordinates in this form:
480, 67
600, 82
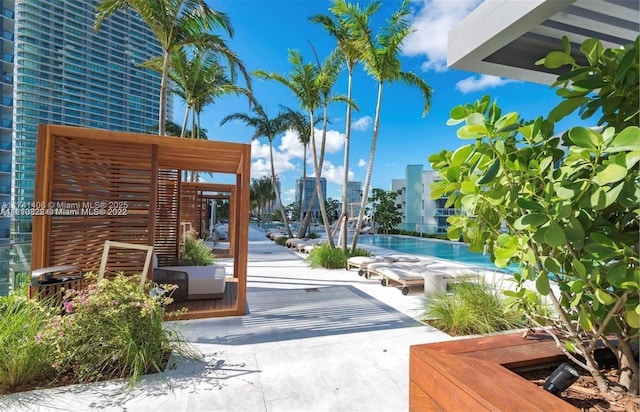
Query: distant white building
420, 213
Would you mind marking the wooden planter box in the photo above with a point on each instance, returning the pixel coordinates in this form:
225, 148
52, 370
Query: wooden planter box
473, 375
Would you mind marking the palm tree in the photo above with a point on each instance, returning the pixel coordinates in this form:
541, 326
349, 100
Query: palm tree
345, 37
312, 85
262, 192
380, 58
171, 128
265, 127
300, 124
177, 23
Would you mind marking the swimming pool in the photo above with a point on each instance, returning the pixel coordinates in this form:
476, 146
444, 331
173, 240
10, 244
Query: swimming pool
458, 252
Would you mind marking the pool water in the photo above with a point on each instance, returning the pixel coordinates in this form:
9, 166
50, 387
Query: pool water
458, 252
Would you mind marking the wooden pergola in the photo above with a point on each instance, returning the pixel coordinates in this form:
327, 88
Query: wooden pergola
98, 185
195, 204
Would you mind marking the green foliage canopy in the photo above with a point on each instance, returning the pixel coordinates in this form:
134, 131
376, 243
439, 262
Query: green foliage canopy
565, 207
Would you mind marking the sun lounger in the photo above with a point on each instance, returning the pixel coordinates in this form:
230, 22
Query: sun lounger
291, 243
361, 262
433, 276
397, 273
276, 235
309, 244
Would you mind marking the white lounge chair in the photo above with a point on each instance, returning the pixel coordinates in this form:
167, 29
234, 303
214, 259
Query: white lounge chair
433, 276
398, 273
361, 262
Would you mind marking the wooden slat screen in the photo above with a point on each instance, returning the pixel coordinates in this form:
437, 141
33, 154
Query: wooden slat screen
167, 225
97, 196
189, 206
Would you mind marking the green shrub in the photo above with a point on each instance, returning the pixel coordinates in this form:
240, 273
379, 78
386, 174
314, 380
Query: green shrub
112, 329
196, 251
24, 355
282, 240
327, 257
470, 309
313, 235
359, 252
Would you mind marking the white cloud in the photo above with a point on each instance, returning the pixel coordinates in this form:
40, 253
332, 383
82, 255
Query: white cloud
259, 150
333, 173
261, 165
294, 149
362, 123
334, 142
289, 196
290, 143
260, 168
483, 82
432, 23
362, 163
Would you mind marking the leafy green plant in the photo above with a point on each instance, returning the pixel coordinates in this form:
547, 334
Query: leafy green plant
282, 240
24, 355
326, 256
196, 251
330, 257
112, 329
569, 203
470, 309
387, 216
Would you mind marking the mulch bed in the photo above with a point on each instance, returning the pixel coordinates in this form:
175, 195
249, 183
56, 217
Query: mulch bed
584, 394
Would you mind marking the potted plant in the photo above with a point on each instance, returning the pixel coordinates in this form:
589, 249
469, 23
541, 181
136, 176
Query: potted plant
195, 251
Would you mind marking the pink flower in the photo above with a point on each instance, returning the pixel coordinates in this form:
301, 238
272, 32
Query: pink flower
38, 336
68, 307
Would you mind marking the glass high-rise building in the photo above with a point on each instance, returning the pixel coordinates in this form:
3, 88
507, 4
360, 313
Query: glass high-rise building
354, 197
57, 70
303, 199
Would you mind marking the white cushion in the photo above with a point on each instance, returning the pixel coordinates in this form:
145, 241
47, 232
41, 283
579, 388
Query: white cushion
203, 280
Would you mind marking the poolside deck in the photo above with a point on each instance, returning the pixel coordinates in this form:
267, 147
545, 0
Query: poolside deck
209, 308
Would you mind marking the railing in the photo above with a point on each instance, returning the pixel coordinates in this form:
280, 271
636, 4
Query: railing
422, 228
15, 266
445, 211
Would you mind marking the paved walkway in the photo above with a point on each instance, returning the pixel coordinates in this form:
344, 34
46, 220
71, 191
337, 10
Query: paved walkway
314, 340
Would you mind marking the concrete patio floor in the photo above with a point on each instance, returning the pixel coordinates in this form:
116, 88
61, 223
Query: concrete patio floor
314, 340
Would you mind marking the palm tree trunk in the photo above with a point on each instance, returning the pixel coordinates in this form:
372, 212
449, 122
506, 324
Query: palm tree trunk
323, 205
367, 180
345, 179
304, 183
183, 132
275, 188
162, 113
305, 218
317, 165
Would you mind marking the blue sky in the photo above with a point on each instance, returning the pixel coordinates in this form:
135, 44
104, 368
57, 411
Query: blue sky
266, 30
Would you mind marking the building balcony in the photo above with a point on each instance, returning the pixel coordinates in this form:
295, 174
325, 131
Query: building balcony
445, 211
